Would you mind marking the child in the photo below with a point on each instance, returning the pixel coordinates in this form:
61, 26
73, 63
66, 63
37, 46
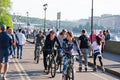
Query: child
96, 47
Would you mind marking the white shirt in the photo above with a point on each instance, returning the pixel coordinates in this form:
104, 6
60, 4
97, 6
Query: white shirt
21, 38
96, 47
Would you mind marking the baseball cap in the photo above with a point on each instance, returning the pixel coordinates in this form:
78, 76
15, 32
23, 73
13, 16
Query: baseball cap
64, 30
3, 26
52, 32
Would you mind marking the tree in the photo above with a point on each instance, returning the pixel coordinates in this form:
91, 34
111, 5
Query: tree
5, 17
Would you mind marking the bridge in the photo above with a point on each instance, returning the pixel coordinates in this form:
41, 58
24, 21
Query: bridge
27, 69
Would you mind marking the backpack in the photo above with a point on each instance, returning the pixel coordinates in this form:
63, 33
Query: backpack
84, 41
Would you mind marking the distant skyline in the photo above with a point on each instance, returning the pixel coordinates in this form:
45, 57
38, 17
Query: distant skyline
70, 9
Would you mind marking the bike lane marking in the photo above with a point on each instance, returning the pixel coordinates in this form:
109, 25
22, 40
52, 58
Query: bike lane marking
18, 69
21, 70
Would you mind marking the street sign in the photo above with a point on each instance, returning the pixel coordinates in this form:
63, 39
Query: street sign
58, 15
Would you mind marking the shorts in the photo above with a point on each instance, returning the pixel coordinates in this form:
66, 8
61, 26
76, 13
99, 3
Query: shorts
4, 54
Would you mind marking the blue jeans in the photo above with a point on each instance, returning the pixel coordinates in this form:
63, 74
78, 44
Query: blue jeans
20, 50
14, 51
85, 55
66, 63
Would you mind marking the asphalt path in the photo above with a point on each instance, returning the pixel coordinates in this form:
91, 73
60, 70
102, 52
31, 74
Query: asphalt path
27, 69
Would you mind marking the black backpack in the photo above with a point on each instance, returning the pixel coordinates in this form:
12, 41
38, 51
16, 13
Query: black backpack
84, 41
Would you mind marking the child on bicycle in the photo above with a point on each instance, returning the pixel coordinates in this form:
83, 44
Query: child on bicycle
67, 48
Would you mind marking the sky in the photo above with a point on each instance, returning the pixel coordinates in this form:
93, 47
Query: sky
70, 9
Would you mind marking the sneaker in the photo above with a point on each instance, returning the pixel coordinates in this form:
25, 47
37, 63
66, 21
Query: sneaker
85, 69
17, 57
21, 57
95, 68
45, 70
80, 69
4, 78
103, 69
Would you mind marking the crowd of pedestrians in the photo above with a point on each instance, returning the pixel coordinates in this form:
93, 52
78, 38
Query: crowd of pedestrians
12, 42
9, 42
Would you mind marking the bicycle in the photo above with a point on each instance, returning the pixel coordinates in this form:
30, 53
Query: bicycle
70, 69
51, 63
37, 53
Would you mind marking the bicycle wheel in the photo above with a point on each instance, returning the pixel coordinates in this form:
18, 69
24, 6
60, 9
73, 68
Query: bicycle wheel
61, 67
37, 59
70, 73
53, 68
37, 56
48, 64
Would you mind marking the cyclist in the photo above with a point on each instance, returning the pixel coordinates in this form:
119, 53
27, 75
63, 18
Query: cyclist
39, 41
61, 37
67, 48
49, 45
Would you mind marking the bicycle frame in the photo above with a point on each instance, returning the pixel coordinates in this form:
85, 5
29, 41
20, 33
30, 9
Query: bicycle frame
52, 61
70, 68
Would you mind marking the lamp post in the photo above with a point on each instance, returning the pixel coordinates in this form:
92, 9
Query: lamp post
27, 19
58, 20
45, 8
19, 21
91, 20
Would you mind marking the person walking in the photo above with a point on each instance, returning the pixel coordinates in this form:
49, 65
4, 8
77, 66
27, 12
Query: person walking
101, 35
13, 46
92, 38
107, 35
5, 43
83, 43
21, 41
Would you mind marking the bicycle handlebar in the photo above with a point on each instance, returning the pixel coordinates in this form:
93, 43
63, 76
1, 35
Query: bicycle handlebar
51, 49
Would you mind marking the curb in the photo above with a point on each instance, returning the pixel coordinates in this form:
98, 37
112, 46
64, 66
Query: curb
106, 70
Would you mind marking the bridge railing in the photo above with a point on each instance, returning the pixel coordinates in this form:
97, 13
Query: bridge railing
112, 47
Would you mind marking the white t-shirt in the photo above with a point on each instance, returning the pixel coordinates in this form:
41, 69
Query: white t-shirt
21, 38
96, 47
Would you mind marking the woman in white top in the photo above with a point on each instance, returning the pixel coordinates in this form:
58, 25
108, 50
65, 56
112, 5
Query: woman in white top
96, 47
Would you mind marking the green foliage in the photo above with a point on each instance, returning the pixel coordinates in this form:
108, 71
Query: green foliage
5, 17
5, 4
